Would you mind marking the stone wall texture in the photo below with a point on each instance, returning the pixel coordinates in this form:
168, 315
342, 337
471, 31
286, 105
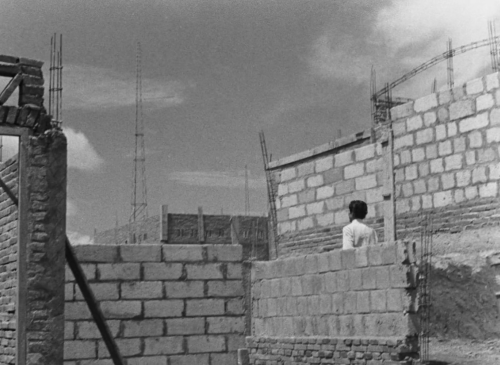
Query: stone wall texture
46, 188
164, 304
313, 195
8, 260
447, 158
252, 232
368, 293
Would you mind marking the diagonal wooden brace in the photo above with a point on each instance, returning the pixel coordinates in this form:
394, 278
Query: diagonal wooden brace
87, 293
9, 89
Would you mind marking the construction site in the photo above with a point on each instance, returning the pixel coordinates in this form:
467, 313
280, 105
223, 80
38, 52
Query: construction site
227, 289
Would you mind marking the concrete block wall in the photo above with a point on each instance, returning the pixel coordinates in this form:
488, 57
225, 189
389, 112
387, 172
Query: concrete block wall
367, 293
313, 195
165, 304
447, 158
183, 229
8, 260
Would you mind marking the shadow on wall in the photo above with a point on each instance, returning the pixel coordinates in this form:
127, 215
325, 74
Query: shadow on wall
464, 304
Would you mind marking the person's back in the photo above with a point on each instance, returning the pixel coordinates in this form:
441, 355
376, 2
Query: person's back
357, 234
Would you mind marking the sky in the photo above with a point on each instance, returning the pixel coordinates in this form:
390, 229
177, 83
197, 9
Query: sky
216, 72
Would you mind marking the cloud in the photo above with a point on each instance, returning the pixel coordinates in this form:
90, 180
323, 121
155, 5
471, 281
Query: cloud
413, 32
81, 154
88, 87
338, 58
76, 238
216, 179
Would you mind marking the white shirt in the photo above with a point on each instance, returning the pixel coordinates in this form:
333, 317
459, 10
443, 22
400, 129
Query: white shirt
357, 234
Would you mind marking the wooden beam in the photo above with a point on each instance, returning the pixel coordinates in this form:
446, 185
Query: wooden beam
9, 89
164, 223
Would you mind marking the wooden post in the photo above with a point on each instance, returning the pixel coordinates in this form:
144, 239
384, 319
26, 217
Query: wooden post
388, 189
201, 226
164, 223
235, 230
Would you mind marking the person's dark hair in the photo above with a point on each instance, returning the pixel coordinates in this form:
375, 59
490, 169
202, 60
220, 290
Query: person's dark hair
358, 209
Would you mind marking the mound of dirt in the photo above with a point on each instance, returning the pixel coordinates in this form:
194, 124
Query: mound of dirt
463, 298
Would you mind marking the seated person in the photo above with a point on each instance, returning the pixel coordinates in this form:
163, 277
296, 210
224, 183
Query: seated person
357, 234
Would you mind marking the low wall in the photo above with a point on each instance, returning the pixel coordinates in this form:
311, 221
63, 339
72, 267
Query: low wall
364, 294
175, 304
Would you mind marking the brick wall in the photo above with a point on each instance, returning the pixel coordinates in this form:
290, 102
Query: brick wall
8, 260
365, 293
183, 229
447, 158
175, 304
313, 192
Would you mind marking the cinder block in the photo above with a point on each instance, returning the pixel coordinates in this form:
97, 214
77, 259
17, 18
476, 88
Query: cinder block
227, 253
234, 271
306, 168
375, 255
87, 330
493, 135
394, 302
418, 154
344, 187
102, 291
448, 181
369, 278
388, 254
69, 330
162, 271
365, 152
488, 190
282, 189
474, 86
471, 192
184, 289
163, 345
495, 113
338, 303
200, 359
402, 111
444, 148
425, 103
366, 182
323, 164
354, 170
333, 175
485, 155
128, 347
399, 276
289, 201
185, 326
89, 270
411, 172
312, 305
96, 253
330, 284
378, 301
296, 186
226, 325
335, 203
315, 208
348, 259
76, 311
204, 307
442, 198
314, 181
142, 290
128, 271
306, 196
225, 359
382, 277
204, 271
230, 288
163, 308
355, 279
484, 102
128, 309
182, 253
492, 81
461, 109
343, 280
459, 145
324, 192
75, 350
210, 343
288, 174
413, 123
477, 122
403, 141
140, 253
399, 128
430, 118
142, 328
453, 162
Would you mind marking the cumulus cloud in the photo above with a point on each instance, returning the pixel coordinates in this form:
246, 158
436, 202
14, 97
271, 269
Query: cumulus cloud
88, 87
76, 238
415, 31
216, 179
81, 153
338, 58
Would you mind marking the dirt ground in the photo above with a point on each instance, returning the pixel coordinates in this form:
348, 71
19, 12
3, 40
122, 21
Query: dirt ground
464, 352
